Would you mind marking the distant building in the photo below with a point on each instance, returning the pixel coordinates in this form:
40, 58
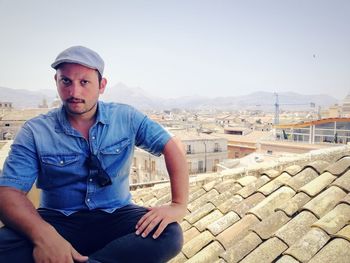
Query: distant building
330, 130
203, 153
346, 106
12, 121
5, 105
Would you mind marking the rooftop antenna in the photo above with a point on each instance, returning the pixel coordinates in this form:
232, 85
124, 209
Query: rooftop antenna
277, 109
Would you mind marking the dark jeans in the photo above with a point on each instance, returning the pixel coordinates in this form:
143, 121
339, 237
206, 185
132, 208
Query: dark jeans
102, 236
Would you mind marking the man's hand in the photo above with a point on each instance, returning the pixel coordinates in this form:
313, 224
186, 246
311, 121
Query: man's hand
56, 249
162, 215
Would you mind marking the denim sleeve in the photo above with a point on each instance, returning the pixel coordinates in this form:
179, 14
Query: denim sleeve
150, 135
21, 166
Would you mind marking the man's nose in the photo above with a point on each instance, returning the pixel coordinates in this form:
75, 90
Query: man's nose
74, 90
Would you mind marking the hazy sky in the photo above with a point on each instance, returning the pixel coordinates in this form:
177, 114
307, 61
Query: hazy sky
184, 47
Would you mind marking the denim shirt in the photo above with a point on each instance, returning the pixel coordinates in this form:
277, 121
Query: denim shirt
49, 150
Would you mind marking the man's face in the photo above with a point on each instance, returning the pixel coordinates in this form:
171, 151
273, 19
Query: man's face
79, 88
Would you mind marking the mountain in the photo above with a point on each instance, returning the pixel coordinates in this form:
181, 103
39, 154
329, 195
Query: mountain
144, 101
22, 98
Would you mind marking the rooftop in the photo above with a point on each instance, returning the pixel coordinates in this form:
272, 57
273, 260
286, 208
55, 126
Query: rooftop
294, 209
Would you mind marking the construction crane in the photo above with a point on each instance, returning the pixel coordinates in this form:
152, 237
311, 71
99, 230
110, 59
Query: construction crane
277, 107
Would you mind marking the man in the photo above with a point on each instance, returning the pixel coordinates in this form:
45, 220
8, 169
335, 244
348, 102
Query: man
80, 157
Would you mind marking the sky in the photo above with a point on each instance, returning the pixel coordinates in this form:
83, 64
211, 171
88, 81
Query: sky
173, 48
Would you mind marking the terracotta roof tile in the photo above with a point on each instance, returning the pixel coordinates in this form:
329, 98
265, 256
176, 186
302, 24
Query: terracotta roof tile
242, 248
336, 251
190, 234
163, 200
343, 181
221, 224
247, 204
226, 185
294, 204
161, 191
287, 259
318, 165
344, 233
208, 254
267, 206
274, 184
185, 225
346, 199
296, 228
335, 219
325, 201
202, 200
318, 184
224, 222
229, 204
292, 169
340, 166
266, 228
210, 185
307, 246
221, 198
199, 213
253, 186
246, 180
272, 173
266, 252
302, 178
237, 231
208, 219
194, 195
197, 243
180, 258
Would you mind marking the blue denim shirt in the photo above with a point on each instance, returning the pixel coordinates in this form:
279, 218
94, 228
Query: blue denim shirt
47, 149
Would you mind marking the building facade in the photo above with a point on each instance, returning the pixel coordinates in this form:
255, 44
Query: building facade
330, 130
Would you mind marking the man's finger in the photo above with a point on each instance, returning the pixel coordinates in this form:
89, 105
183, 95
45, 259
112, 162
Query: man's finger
78, 257
145, 223
151, 226
160, 228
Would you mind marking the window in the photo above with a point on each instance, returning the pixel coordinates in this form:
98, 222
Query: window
153, 166
215, 168
146, 165
216, 147
189, 150
236, 154
7, 124
200, 167
189, 167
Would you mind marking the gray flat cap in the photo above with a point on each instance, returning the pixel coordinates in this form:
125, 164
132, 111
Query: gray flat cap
80, 55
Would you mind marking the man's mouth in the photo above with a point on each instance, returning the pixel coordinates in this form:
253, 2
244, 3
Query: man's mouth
75, 100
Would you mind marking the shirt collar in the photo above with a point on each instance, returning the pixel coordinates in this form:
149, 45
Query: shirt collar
64, 125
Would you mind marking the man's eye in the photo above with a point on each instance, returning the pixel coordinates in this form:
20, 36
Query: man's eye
65, 81
84, 82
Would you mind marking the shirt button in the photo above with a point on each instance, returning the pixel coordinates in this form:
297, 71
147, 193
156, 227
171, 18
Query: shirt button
88, 200
93, 137
117, 150
90, 180
61, 162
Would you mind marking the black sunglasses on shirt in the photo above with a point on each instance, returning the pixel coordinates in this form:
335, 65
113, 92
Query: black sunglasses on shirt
96, 170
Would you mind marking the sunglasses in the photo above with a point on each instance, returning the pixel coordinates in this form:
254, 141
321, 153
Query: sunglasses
96, 170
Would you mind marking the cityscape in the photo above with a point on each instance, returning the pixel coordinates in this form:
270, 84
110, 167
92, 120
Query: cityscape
218, 140
257, 91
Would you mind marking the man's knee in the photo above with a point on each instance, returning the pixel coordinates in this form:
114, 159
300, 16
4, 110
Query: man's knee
173, 238
14, 247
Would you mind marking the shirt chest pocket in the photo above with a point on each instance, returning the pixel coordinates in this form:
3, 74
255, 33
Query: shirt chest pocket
116, 156
58, 169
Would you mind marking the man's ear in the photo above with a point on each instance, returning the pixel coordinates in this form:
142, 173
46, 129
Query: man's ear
103, 85
55, 77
